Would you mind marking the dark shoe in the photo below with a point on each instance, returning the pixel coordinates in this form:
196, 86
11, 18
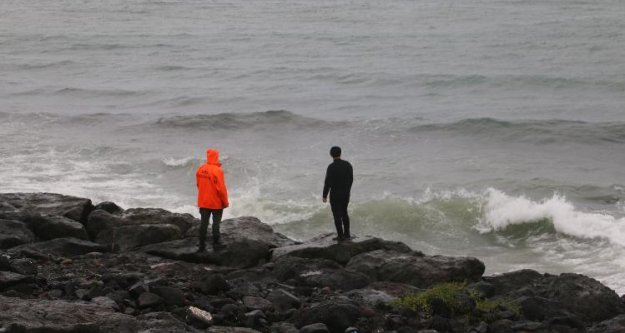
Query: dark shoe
218, 246
347, 237
338, 238
200, 250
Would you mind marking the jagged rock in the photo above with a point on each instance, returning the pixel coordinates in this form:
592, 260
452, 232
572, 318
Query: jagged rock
109, 207
326, 248
337, 315
14, 233
105, 302
252, 228
228, 329
5, 263
171, 296
315, 328
198, 317
128, 237
282, 327
65, 247
8, 279
23, 266
148, 299
254, 318
554, 295
257, 303
318, 273
162, 322
370, 297
77, 209
283, 300
24, 315
417, 270
212, 284
142, 216
48, 227
614, 325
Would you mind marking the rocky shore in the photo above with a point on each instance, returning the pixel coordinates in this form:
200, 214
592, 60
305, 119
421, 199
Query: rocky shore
67, 265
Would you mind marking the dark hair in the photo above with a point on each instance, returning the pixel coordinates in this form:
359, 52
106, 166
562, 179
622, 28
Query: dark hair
335, 151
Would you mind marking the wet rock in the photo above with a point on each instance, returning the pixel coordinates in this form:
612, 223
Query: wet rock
65, 247
335, 314
283, 300
148, 299
48, 227
318, 273
105, 302
5, 263
138, 288
24, 315
283, 327
8, 279
417, 270
559, 295
255, 318
23, 266
128, 237
370, 297
212, 284
162, 322
257, 303
325, 248
49, 204
198, 317
14, 233
227, 329
171, 296
109, 207
315, 328
614, 325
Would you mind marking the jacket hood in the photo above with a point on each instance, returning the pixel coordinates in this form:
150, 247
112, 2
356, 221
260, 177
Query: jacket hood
212, 157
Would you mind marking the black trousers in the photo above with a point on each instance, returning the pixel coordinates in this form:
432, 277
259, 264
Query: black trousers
341, 218
205, 214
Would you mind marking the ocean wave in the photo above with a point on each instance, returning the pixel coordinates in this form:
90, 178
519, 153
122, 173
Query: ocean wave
533, 131
235, 121
502, 212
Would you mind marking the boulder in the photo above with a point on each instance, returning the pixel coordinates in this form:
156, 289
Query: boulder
198, 317
109, 207
326, 248
544, 295
48, 227
315, 328
9, 279
25, 315
318, 273
14, 233
148, 299
23, 266
417, 270
336, 315
163, 322
171, 296
142, 216
64, 247
128, 237
614, 325
229, 329
257, 303
283, 300
75, 208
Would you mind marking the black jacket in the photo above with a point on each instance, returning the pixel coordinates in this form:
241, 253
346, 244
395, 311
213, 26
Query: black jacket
339, 179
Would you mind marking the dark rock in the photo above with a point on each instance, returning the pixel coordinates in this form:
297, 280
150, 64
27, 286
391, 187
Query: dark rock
213, 284
337, 315
8, 279
257, 303
614, 325
198, 317
417, 270
100, 220
483, 289
55, 293
318, 273
128, 237
138, 288
105, 302
49, 204
14, 233
141, 216
171, 296
283, 327
148, 299
502, 326
255, 318
227, 329
5, 263
25, 315
283, 300
314, 328
512, 281
325, 248
122, 280
109, 207
65, 247
370, 297
24, 266
162, 322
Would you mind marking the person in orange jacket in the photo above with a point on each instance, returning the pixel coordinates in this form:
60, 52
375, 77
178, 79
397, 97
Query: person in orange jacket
212, 196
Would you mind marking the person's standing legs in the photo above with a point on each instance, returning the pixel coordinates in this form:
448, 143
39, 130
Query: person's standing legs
337, 210
345, 219
205, 215
217, 213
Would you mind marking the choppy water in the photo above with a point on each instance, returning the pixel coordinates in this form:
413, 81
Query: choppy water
492, 128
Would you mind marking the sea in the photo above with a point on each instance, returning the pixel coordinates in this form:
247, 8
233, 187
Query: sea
486, 128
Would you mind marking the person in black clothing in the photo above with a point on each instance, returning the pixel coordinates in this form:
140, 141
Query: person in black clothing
338, 182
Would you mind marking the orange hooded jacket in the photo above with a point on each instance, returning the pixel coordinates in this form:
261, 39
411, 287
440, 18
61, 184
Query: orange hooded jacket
212, 191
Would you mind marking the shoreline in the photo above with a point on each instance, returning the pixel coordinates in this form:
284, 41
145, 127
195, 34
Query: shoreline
101, 268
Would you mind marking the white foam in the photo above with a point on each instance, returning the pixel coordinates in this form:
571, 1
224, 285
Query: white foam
177, 162
501, 210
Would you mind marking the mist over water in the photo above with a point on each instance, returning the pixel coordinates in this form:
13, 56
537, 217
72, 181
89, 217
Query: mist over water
492, 128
